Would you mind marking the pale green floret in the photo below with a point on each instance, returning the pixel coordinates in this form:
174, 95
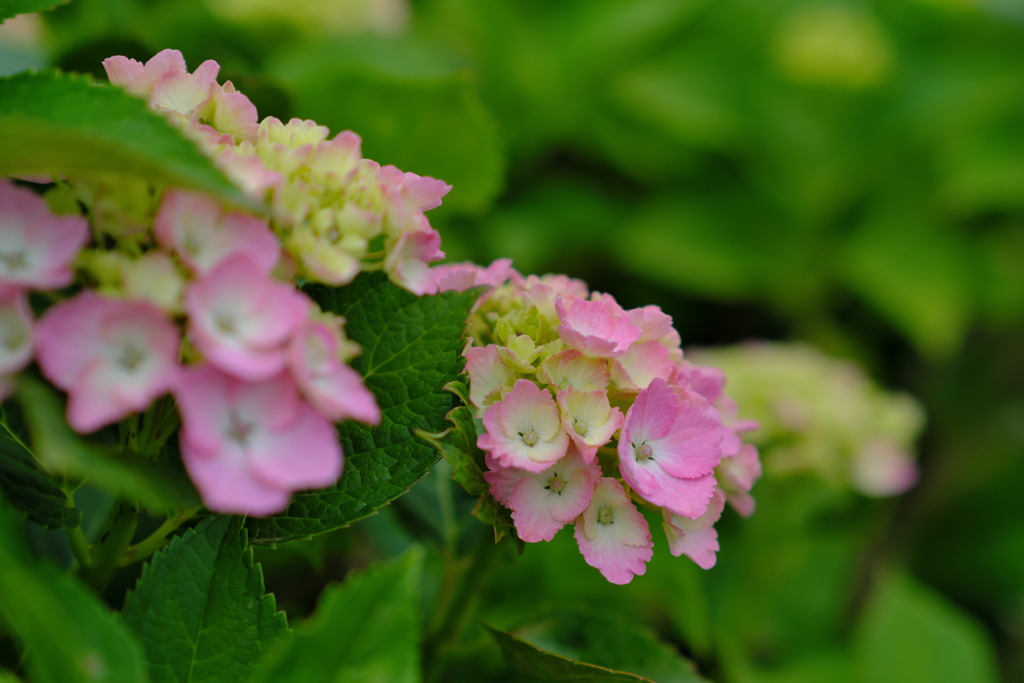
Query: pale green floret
556, 484
605, 515
14, 339
579, 426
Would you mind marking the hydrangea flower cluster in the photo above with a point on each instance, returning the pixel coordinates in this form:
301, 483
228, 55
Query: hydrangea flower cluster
588, 410
335, 213
823, 415
176, 293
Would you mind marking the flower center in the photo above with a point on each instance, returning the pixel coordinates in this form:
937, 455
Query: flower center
529, 437
14, 260
131, 356
644, 451
239, 431
556, 484
605, 516
14, 339
579, 427
225, 323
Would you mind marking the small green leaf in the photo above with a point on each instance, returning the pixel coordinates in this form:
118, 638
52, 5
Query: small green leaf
200, 610
53, 123
458, 446
366, 629
910, 633
585, 646
64, 452
11, 8
23, 485
68, 635
411, 350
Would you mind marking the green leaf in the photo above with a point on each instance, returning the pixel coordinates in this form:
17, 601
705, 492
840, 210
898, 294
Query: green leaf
411, 349
585, 646
200, 610
10, 8
64, 452
68, 635
23, 485
920, 276
458, 446
366, 629
66, 124
428, 123
911, 633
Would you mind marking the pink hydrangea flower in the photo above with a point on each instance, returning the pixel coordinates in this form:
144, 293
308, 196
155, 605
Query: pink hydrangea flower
736, 475
113, 357
881, 468
644, 362
458, 277
185, 94
544, 502
612, 534
241, 320
15, 331
36, 246
695, 538
138, 78
203, 233
231, 112
571, 368
407, 260
489, 377
668, 450
596, 328
524, 429
333, 388
247, 446
409, 195
588, 419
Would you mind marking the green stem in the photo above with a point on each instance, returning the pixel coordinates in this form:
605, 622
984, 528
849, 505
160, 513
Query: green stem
108, 550
157, 539
76, 537
442, 645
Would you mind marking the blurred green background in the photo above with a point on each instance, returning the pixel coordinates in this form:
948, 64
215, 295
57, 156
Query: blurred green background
845, 174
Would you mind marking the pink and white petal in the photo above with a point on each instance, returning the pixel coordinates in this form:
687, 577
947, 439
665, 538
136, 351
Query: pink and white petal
342, 395
305, 455
203, 395
575, 496
67, 337
121, 70
15, 332
488, 374
502, 480
227, 486
531, 505
143, 82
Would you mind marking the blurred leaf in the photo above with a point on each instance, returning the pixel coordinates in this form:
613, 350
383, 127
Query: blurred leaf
411, 348
430, 124
910, 633
589, 646
63, 451
691, 246
59, 124
68, 634
458, 446
365, 629
200, 610
10, 8
23, 485
917, 275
